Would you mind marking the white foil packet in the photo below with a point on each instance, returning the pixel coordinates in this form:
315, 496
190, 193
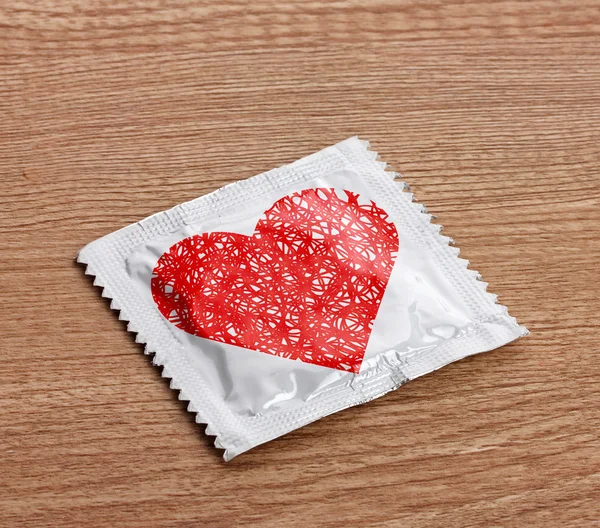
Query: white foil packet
294, 294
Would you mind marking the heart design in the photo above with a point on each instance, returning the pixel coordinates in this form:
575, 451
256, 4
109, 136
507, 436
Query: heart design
306, 285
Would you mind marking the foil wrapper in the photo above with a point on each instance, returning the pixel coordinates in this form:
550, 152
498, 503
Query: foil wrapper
294, 294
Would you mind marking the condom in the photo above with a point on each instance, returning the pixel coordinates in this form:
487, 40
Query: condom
283, 298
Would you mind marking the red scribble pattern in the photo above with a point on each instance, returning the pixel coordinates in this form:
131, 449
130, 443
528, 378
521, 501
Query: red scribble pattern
307, 285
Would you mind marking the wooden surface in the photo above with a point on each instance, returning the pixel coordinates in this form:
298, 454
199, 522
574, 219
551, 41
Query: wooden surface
111, 111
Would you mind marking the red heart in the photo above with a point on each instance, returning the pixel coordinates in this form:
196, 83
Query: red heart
306, 285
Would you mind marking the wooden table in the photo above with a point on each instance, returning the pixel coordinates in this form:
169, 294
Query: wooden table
112, 111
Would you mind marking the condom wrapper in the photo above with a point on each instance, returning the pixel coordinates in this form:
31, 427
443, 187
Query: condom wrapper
283, 298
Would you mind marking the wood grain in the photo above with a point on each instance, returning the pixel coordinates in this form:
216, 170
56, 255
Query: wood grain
112, 111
